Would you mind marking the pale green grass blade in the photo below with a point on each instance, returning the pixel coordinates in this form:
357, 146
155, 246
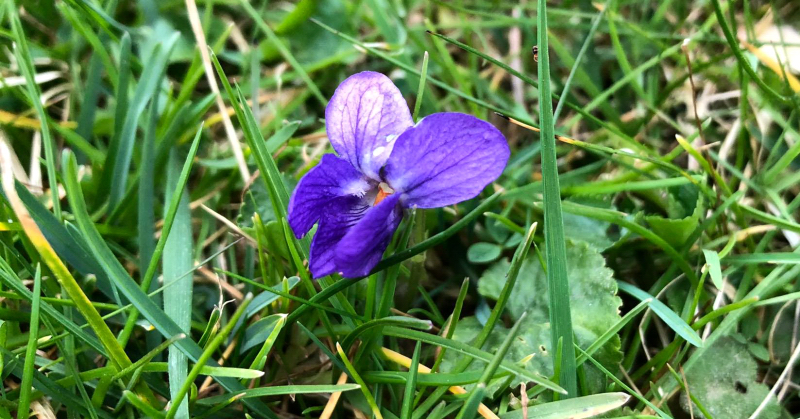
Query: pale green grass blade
178, 296
712, 259
277, 323
176, 406
555, 245
421, 88
586, 406
26, 386
672, 320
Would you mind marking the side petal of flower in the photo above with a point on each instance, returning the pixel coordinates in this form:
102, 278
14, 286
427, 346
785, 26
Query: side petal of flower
330, 186
364, 117
445, 159
363, 245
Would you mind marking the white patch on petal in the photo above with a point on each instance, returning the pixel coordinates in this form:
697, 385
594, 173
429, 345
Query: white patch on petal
378, 151
390, 138
358, 188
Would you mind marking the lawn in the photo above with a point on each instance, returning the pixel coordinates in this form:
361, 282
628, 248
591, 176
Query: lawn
399, 209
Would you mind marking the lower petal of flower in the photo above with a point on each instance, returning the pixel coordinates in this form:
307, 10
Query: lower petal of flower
339, 217
362, 247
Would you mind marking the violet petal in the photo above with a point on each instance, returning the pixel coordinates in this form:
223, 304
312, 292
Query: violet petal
364, 117
363, 245
445, 159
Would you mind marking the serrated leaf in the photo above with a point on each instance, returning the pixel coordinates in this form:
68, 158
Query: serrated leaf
726, 381
595, 308
683, 216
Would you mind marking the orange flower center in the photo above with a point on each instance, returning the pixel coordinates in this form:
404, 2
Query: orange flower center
383, 191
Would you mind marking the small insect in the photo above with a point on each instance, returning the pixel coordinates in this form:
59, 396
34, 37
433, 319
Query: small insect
535, 53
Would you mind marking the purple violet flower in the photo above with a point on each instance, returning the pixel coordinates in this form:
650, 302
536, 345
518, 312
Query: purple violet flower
386, 164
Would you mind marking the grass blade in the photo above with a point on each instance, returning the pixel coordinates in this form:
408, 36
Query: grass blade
411, 383
23, 56
26, 386
178, 296
555, 245
674, 321
177, 397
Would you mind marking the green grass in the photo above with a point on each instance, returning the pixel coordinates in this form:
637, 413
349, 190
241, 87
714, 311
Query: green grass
142, 276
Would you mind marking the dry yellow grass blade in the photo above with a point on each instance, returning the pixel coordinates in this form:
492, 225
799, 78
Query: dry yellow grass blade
236, 146
331, 405
17, 121
406, 362
773, 65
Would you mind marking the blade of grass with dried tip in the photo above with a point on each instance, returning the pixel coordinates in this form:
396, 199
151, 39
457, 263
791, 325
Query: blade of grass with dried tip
351, 370
208, 352
115, 352
178, 297
25, 63
555, 244
128, 286
411, 383
26, 386
669, 317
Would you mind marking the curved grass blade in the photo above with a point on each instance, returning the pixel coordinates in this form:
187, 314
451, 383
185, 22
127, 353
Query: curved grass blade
670, 318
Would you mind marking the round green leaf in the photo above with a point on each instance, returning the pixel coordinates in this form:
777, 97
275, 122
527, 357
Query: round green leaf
483, 252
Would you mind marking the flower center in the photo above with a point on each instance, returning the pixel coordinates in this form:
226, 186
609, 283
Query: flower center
384, 190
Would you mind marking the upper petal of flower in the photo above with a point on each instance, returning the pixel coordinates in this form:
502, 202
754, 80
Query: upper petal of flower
364, 117
332, 183
363, 245
445, 159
